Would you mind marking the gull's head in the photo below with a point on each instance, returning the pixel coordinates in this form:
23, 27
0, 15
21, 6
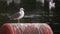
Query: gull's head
21, 8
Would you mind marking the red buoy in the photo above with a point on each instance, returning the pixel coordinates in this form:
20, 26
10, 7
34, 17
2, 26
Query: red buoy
26, 28
46, 29
6, 29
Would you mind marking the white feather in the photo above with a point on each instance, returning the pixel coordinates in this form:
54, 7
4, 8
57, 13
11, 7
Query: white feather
21, 13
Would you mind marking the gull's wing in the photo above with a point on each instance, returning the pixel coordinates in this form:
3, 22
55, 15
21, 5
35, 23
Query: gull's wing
15, 16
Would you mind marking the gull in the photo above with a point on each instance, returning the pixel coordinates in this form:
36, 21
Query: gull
17, 16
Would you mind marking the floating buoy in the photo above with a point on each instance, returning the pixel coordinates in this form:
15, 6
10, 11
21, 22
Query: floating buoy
46, 29
26, 28
6, 29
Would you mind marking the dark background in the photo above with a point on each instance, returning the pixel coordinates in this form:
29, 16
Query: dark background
32, 7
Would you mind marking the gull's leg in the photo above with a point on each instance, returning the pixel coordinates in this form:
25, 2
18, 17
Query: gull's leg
18, 21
